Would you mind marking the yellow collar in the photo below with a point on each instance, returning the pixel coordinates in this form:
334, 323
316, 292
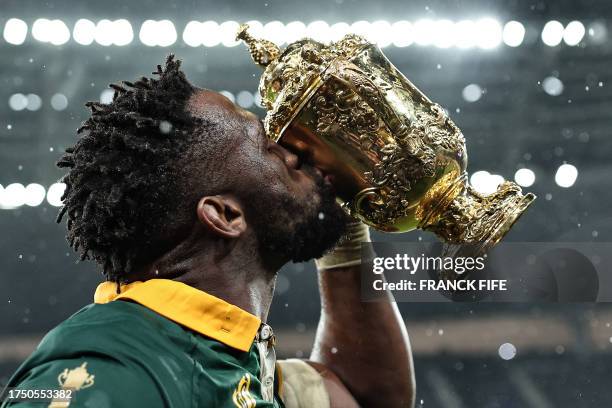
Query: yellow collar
190, 307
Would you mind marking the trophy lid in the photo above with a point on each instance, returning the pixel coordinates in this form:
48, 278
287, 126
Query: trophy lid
291, 76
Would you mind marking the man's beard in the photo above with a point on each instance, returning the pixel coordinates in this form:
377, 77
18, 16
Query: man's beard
290, 230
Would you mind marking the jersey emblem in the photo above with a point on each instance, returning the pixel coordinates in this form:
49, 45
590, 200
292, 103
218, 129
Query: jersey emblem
77, 378
242, 395
74, 379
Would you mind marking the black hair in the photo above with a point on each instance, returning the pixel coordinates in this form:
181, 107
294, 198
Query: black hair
125, 187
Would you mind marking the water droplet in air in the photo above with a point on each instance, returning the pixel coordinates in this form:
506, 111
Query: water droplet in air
165, 127
507, 351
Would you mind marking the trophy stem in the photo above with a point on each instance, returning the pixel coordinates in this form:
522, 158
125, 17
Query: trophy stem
474, 221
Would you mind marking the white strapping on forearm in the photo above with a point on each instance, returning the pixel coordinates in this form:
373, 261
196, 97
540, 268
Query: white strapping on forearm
348, 252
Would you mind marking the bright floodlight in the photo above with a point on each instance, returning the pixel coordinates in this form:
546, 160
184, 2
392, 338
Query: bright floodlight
34, 102
381, 33
52, 31
34, 194
318, 31
18, 102
58, 32
209, 34
54, 194
403, 33
84, 31
40, 29
13, 196
105, 32
245, 99
552, 33
122, 32
485, 183
228, 30
15, 31
191, 34
574, 33
524, 177
275, 31
494, 181
59, 102
106, 96
255, 28
424, 32
228, 95
337, 31
598, 33
147, 33
258, 101
514, 33
361, 28
296, 30
444, 34
566, 175
490, 33
466, 33
166, 33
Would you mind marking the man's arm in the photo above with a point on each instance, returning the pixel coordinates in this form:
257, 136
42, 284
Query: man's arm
365, 344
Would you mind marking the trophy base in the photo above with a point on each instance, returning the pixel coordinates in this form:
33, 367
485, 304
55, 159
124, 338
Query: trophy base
472, 223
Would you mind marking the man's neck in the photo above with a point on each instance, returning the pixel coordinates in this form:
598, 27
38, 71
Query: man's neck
245, 287
235, 274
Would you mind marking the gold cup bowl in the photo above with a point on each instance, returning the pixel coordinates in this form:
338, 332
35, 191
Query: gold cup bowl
397, 161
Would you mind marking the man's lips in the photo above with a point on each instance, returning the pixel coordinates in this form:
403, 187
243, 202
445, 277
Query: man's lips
327, 178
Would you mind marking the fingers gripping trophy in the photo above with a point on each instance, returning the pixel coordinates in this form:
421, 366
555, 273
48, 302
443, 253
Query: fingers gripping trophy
396, 159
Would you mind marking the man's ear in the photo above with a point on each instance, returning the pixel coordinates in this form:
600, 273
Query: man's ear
222, 216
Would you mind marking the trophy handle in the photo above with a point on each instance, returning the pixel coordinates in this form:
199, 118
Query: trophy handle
357, 207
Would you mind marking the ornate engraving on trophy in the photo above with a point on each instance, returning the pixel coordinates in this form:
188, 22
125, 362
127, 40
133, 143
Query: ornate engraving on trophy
399, 161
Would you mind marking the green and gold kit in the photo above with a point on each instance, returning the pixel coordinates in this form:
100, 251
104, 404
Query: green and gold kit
158, 343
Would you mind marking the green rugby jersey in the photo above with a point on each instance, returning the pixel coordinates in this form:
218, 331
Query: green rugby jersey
159, 343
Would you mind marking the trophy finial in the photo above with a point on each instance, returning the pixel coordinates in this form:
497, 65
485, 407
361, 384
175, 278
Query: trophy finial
262, 51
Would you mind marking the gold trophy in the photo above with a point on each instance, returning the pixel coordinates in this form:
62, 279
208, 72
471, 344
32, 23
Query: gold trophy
396, 159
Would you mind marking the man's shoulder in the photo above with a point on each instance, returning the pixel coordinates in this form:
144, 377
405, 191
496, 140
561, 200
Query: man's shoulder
118, 346
110, 325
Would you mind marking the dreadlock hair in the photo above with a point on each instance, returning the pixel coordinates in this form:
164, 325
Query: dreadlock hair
124, 188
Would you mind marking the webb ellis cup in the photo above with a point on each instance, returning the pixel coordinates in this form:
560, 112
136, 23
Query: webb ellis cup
397, 161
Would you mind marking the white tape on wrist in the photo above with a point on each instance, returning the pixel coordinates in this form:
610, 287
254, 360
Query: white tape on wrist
348, 252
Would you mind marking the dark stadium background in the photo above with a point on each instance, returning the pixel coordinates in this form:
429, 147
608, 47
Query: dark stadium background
538, 107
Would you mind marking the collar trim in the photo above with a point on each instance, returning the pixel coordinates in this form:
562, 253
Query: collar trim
189, 307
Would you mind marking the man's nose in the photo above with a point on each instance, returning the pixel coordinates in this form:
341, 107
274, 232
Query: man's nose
290, 159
